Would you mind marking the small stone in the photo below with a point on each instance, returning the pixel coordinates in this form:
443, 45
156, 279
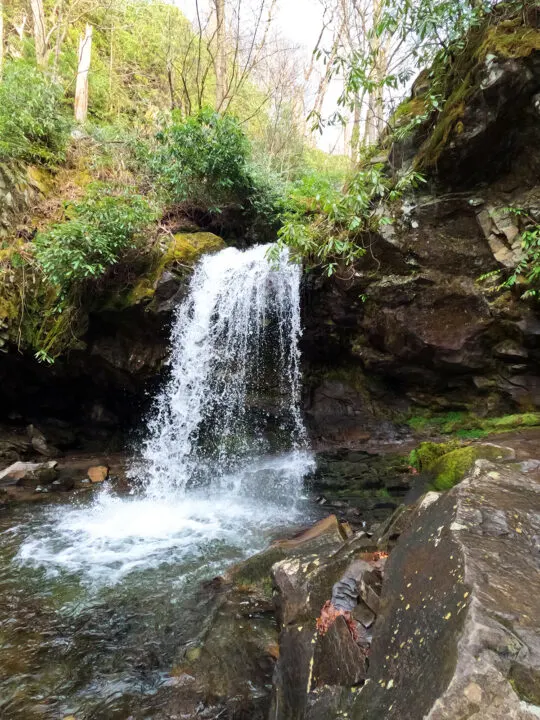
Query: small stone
485, 222
98, 473
193, 654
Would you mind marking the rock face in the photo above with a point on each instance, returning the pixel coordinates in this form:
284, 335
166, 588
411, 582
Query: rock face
412, 327
456, 634
101, 385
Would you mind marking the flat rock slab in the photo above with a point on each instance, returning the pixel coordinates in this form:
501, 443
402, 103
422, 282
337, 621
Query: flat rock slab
458, 634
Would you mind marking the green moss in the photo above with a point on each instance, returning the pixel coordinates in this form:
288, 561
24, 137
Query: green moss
445, 423
468, 426
425, 456
509, 38
255, 572
509, 422
474, 434
187, 248
9, 307
450, 120
183, 251
40, 178
452, 467
408, 111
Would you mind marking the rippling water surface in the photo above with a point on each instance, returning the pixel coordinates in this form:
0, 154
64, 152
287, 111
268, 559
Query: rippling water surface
98, 597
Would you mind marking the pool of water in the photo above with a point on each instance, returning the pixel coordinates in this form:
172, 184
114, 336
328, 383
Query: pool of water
97, 596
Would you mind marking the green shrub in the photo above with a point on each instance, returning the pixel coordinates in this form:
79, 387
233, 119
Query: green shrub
102, 226
33, 123
326, 224
205, 162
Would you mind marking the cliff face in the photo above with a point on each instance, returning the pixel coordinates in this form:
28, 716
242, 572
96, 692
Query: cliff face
415, 329
412, 330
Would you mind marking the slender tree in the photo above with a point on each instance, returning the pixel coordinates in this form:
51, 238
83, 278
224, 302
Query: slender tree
40, 32
1, 35
81, 86
221, 54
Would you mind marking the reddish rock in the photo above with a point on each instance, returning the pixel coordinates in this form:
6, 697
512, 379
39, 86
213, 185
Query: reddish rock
98, 473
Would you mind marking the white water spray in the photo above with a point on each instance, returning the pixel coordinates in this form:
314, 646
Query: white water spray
234, 343
226, 450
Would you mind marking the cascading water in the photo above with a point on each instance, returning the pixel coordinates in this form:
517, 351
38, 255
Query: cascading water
234, 342
219, 475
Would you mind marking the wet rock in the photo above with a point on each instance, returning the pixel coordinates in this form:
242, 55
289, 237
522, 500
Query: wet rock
98, 473
310, 658
457, 633
510, 350
233, 662
360, 486
29, 474
338, 659
40, 444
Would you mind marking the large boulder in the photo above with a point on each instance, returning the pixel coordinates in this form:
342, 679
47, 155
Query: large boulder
457, 632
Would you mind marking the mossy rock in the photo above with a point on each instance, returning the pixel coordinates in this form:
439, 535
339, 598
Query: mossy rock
182, 252
187, 248
468, 426
506, 39
510, 422
451, 468
255, 572
425, 456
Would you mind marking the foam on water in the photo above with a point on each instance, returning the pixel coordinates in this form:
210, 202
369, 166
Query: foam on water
212, 486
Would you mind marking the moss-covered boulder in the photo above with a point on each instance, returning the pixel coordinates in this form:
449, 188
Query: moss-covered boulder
488, 86
166, 269
450, 462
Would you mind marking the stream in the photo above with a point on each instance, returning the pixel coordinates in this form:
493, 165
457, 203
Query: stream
97, 596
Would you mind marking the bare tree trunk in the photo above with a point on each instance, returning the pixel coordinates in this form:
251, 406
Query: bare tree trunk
19, 29
221, 58
81, 86
1, 35
378, 50
356, 128
111, 66
325, 80
60, 35
40, 34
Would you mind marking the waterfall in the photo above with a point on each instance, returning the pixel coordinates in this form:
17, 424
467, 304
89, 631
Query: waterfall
233, 391
225, 453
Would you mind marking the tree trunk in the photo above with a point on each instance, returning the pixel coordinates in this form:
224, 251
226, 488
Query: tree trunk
81, 86
356, 129
1, 35
40, 34
378, 50
111, 67
221, 59
60, 35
